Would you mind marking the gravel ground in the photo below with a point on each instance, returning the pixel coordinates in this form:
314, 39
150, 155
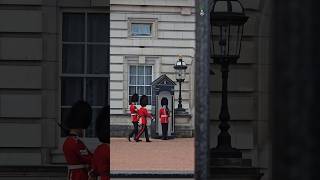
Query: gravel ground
158, 155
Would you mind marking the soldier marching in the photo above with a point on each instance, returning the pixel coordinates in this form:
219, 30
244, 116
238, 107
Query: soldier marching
134, 116
143, 116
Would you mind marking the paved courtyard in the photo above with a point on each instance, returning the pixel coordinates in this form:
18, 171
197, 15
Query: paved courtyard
170, 155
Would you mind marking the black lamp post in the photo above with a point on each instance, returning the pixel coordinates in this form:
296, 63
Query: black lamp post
227, 19
180, 70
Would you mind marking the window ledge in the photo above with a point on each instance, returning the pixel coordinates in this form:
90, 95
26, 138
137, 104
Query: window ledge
33, 171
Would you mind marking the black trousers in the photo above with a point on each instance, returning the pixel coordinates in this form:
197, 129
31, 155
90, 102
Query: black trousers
164, 130
135, 129
144, 129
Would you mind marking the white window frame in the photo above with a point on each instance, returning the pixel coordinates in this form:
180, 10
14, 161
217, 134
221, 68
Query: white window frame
138, 60
91, 142
152, 78
154, 27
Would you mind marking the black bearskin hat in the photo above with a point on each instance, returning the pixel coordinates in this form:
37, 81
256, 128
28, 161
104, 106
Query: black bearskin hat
102, 125
144, 100
134, 98
164, 101
80, 116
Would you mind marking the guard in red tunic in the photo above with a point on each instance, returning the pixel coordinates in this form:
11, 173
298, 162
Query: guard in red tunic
143, 115
134, 116
164, 114
77, 155
101, 156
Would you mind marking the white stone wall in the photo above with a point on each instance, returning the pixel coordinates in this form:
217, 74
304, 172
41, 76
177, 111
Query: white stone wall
21, 56
29, 78
175, 34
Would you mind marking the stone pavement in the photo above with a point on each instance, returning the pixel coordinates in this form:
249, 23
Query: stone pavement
158, 155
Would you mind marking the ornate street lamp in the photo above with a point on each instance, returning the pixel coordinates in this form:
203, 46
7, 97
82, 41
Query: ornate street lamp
180, 70
227, 19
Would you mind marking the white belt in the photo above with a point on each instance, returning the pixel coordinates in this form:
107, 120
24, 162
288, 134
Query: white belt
164, 116
77, 166
98, 177
133, 114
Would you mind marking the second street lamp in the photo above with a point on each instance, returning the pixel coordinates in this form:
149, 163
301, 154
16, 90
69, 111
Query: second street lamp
180, 68
227, 20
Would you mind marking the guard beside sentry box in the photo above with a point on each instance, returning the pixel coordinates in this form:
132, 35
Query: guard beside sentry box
162, 87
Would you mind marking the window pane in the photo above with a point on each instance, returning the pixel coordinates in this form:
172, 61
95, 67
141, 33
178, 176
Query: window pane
129, 99
148, 70
133, 70
138, 29
98, 27
96, 91
143, 80
148, 90
140, 70
140, 90
72, 58
97, 59
64, 115
132, 90
148, 80
149, 100
90, 131
133, 80
71, 90
73, 27
140, 80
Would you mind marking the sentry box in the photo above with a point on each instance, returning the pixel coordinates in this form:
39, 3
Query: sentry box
163, 86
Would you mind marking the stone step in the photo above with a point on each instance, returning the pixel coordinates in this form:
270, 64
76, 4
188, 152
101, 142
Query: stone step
33, 172
60, 172
152, 174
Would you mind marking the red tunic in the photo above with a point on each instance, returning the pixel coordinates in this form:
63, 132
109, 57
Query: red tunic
101, 161
163, 115
143, 114
78, 158
133, 111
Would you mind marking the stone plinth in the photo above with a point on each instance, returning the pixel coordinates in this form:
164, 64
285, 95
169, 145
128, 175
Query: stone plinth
230, 165
183, 125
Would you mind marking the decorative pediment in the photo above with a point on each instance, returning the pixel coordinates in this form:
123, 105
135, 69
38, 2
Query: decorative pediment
163, 80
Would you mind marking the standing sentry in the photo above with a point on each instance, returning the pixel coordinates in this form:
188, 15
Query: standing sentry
76, 153
164, 114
